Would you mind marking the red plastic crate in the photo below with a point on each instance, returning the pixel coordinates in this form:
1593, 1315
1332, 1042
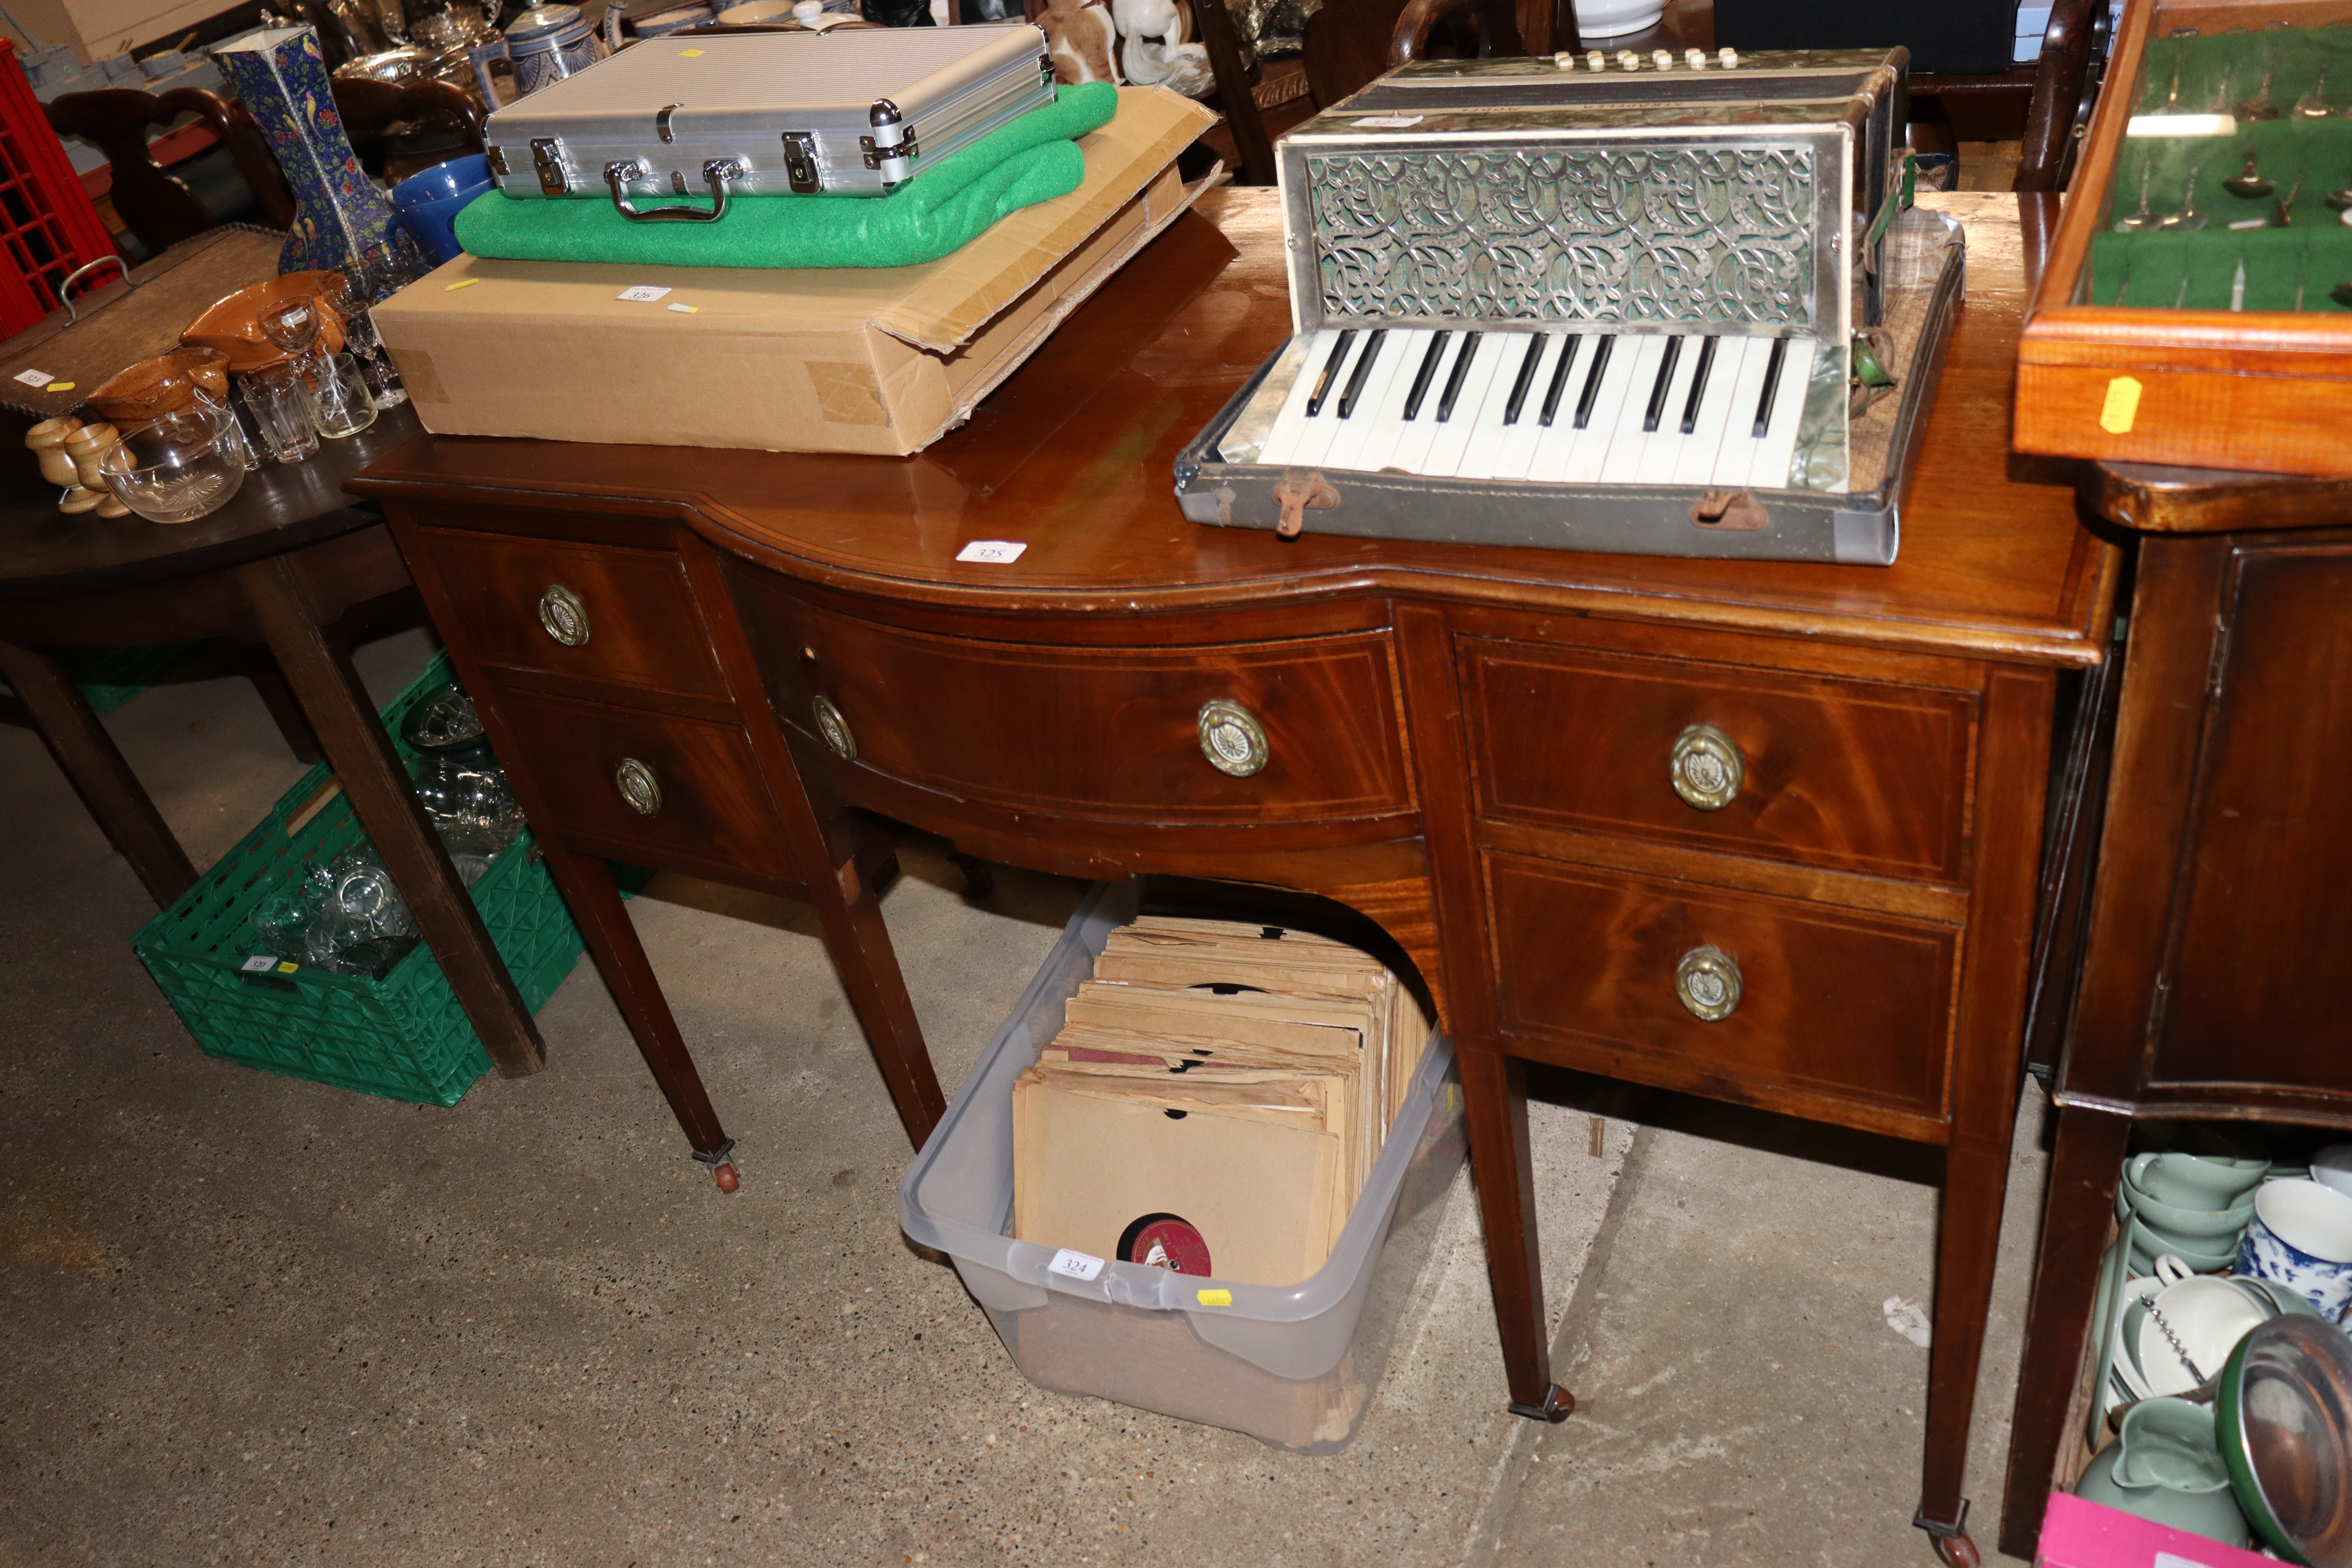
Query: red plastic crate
48, 222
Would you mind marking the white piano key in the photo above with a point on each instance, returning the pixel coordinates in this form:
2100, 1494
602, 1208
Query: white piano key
1381, 413
1417, 435
1736, 457
1520, 438
1626, 442
1318, 429
1584, 458
1555, 441
1695, 462
1779, 447
1661, 448
1486, 434
1356, 447
1283, 439
1454, 435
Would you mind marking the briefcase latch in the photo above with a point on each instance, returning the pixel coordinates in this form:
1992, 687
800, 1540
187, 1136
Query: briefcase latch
547, 157
800, 163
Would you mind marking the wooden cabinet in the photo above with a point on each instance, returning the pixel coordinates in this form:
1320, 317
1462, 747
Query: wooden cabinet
2218, 919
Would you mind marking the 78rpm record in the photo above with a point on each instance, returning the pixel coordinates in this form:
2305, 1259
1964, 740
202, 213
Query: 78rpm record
1164, 1241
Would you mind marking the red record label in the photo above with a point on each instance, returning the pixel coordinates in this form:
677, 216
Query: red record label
1165, 1241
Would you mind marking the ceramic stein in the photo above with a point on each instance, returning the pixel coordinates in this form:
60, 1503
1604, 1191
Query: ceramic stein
2166, 1465
545, 44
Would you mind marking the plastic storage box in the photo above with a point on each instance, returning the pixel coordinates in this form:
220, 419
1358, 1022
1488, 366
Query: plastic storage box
1294, 1366
404, 1036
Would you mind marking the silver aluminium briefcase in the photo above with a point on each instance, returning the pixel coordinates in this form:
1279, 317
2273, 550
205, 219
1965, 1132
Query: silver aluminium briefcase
848, 112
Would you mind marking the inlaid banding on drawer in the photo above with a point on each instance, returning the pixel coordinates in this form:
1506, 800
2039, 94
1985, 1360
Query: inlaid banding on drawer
1829, 1004
625, 782
1246, 732
1835, 773
601, 613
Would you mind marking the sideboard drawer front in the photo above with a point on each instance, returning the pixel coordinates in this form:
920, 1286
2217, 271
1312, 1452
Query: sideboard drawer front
1105, 733
1837, 773
1832, 1004
711, 807
626, 616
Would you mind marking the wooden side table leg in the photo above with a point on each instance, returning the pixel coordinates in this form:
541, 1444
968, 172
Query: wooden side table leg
337, 705
95, 767
587, 887
859, 946
1976, 1179
2083, 1174
1494, 1096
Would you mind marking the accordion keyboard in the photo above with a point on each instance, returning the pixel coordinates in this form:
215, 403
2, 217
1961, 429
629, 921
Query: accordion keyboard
1572, 407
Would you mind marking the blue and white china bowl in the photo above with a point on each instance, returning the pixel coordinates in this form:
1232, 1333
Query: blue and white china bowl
2301, 1237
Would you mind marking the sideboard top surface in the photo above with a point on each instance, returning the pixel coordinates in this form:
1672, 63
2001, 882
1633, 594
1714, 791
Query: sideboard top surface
1073, 456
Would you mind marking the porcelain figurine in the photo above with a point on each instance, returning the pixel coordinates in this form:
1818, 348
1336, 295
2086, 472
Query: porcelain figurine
1080, 37
1153, 50
338, 212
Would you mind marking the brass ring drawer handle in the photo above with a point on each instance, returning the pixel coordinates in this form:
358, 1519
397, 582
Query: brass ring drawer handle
833, 729
1706, 983
1707, 770
638, 786
563, 616
1232, 738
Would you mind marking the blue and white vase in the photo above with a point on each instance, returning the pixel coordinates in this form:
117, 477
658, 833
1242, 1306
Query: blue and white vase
339, 213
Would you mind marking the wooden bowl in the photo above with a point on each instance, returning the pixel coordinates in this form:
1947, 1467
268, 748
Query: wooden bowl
233, 325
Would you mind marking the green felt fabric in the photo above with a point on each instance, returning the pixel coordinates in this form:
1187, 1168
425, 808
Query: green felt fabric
948, 205
2309, 158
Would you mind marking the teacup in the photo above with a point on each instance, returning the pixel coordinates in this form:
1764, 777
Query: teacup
2195, 1181
2166, 1465
2301, 1237
2331, 1167
2189, 1329
2208, 1225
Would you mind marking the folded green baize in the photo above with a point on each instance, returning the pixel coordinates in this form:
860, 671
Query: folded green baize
948, 205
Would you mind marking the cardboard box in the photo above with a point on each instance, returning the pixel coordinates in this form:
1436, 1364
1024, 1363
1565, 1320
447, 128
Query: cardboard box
2079, 1533
882, 359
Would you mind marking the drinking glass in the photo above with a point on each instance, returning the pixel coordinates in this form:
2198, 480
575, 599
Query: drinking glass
345, 295
338, 394
273, 396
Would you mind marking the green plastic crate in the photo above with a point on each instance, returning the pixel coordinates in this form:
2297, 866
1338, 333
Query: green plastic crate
110, 676
404, 1036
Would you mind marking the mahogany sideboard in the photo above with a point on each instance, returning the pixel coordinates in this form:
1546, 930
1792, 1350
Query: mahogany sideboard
711, 659
2217, 909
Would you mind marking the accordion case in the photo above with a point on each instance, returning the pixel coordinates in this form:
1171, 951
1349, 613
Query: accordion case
1598, 309
846, 111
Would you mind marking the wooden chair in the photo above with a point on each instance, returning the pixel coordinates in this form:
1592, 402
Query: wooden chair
155, 204
371, 109
1350, 42
2065, 87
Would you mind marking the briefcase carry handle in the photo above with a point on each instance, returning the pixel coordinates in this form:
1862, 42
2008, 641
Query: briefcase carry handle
715, 174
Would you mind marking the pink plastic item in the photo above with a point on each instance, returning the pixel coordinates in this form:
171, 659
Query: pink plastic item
2080, 1534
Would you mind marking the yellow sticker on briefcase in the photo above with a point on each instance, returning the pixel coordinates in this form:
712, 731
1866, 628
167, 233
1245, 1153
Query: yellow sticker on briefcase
1213, 1298
2122, 406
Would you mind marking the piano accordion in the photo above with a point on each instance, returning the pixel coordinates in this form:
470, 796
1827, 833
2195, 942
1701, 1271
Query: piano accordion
1680, 309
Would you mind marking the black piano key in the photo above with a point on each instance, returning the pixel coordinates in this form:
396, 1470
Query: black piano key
1771, 384
1698, 384
1657, 408
1460, 373
1592, 393
1331, 373
1527, 378
1559, 380
1363, 369
1426, 375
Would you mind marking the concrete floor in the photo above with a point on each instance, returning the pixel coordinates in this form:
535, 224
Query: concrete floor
249, 1319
